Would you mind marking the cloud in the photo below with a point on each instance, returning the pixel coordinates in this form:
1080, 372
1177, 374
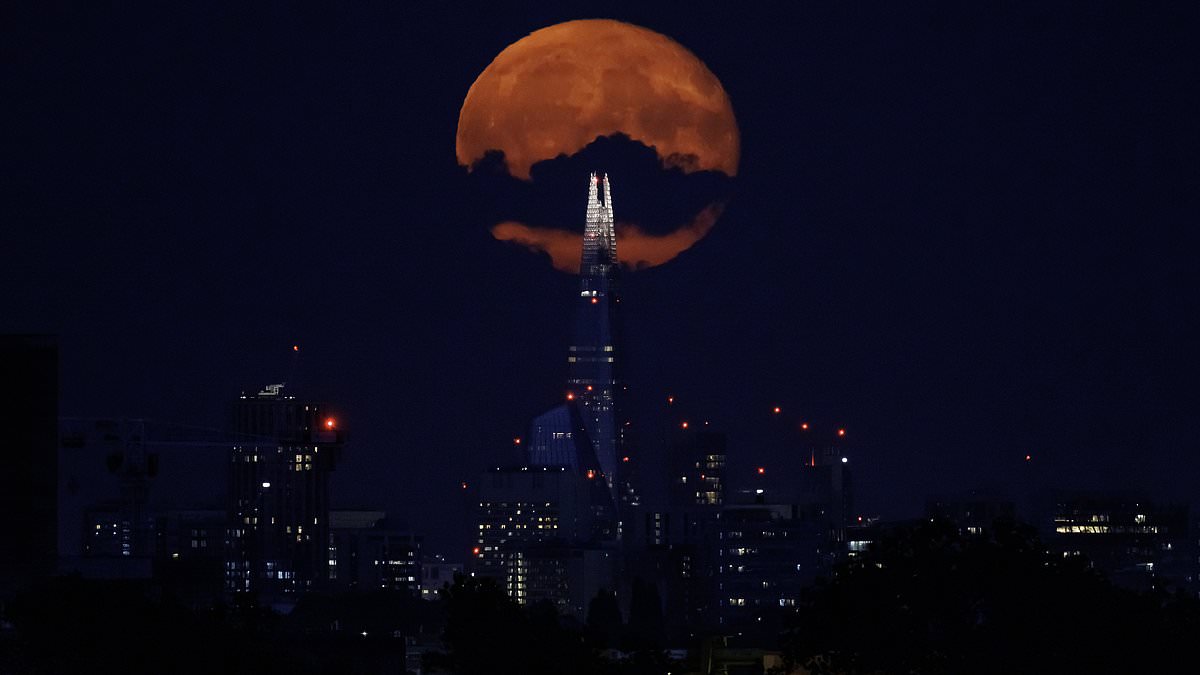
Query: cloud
636, 248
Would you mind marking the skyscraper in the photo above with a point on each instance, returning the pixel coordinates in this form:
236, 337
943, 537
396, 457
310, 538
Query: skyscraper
279, 492
592, 366
547, 527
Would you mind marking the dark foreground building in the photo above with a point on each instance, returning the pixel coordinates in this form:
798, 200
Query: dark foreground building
29, 479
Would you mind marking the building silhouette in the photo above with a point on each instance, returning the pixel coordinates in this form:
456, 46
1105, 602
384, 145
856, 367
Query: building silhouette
190, 555
279, 495
368, 551
140, 499
972, 512
825, 490
680, 542
1135, 541
29, 479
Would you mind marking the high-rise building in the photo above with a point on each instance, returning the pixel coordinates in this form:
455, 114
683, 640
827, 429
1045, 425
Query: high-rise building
825, 490
592, 360
547, 526
279, 495
29, 480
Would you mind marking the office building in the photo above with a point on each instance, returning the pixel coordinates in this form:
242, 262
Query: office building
279, 495
367, 551
767, 554
536, 527
1136, 542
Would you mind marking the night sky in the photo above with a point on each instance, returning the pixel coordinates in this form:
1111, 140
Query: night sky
965, 234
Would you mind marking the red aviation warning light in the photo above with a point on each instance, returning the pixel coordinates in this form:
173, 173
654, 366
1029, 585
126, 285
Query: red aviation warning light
841, 432
1028, 457
762, 470
516, 440
625, 458
589, 387
570, 396
776, 410
464, 485
804, 426
684, 425
330, 423
595, 300
591, 474
670, 400
475, 551
295, 348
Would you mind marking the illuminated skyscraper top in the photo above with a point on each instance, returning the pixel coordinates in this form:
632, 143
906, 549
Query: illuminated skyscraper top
592, 377
599, 235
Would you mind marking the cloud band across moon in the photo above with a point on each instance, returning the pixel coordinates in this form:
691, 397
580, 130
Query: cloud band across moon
549, 97
636, 248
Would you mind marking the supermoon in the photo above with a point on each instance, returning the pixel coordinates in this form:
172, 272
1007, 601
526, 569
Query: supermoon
557, 89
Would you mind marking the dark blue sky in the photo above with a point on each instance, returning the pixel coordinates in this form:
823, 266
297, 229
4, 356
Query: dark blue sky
963, 233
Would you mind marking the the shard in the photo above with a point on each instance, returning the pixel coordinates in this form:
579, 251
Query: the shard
592, 365
583, 433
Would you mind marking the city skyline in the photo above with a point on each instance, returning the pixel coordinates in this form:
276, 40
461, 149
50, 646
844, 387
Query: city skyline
960, 275
330, 345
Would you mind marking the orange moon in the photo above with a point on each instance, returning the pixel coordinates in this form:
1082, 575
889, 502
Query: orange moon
557, 89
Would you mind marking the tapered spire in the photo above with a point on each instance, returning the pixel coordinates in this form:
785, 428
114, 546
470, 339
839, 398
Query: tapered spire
599, 235
592, 379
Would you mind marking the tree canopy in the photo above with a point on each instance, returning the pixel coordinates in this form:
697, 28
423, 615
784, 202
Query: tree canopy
930, 599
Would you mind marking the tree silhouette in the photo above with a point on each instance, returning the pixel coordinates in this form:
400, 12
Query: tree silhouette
928, 599
646, 629
487, 632
604, 620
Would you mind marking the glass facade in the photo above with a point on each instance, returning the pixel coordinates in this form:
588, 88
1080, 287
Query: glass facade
592, 367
